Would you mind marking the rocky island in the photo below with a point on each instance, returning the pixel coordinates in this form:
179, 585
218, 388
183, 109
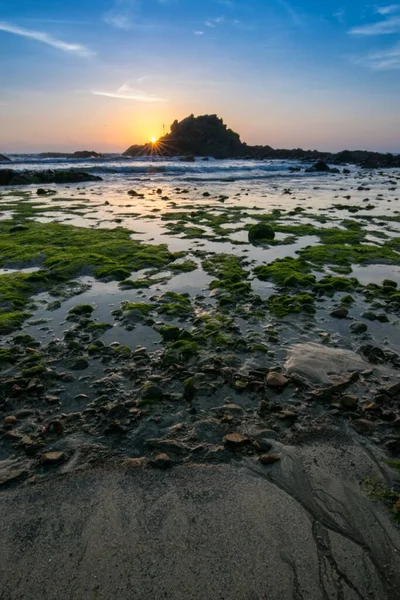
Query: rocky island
207, 135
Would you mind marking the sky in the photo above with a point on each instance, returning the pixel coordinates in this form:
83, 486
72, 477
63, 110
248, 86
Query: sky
105, 74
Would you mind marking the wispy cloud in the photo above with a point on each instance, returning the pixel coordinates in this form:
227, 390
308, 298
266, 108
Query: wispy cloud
388, 10
198, 32
389, 25
382, 60
121, 15
126, 92
294, 16
214, 22
45, 38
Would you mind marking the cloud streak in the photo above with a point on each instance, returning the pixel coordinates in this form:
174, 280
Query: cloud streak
381, 60
120, 16
125, 92
391, 23
45, 38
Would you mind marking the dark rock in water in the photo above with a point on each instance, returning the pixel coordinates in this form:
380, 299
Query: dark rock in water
4, 158
77, 154
187, 158
319, 167
6, 176
12, 177
358, 327
261, 232
340, 313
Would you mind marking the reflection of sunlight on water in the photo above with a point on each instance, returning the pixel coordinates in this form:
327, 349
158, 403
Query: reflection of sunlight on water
376, 273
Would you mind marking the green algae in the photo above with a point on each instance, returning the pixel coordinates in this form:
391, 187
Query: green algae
229, 271
67, 251
183, 267
286, 272
140, 307
261, 233
63, 252
175, 305
81, 310
281, 305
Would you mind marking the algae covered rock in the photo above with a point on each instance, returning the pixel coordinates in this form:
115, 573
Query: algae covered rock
261, 232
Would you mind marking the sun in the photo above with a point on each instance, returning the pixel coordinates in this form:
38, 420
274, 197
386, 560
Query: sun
153, 140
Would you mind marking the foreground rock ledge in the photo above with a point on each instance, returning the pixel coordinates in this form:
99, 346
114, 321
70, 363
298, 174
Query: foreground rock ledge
254, 531
13, 177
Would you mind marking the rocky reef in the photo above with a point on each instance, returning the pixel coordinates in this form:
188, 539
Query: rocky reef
78, 154
4, 158
13, 177
207, 135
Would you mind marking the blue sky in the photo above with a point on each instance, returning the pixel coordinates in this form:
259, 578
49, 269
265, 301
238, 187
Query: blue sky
108, 73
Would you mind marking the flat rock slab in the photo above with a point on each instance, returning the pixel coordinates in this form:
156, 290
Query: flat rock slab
198, 533
318, 362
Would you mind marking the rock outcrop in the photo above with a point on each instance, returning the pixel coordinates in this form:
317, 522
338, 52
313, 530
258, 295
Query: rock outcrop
4, 158
12, 177
207, 135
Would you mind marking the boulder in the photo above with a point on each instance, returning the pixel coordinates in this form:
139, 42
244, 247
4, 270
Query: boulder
261, 232
4, 158
319, 167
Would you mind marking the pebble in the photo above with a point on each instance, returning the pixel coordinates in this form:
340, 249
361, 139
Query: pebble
268, 459
52, 458
349, 402
234, 441
10, 420
276, 380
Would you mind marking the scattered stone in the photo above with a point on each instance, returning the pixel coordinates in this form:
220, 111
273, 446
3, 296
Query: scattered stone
52, 458
10, 420
276, 380
349, 402
135, 463
151, 392
268, 459
358, 327
235, 441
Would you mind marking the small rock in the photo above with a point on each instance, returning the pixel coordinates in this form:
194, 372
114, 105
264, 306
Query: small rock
349, 402
10, 420
52, 458
233, 441
276, 380
340, 313
151, 392
268, 459
161, 461
358, 327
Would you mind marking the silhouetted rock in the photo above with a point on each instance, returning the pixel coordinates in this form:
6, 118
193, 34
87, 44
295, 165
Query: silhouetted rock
319, 167
207, 135
77, 154
12, 177
4, 158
